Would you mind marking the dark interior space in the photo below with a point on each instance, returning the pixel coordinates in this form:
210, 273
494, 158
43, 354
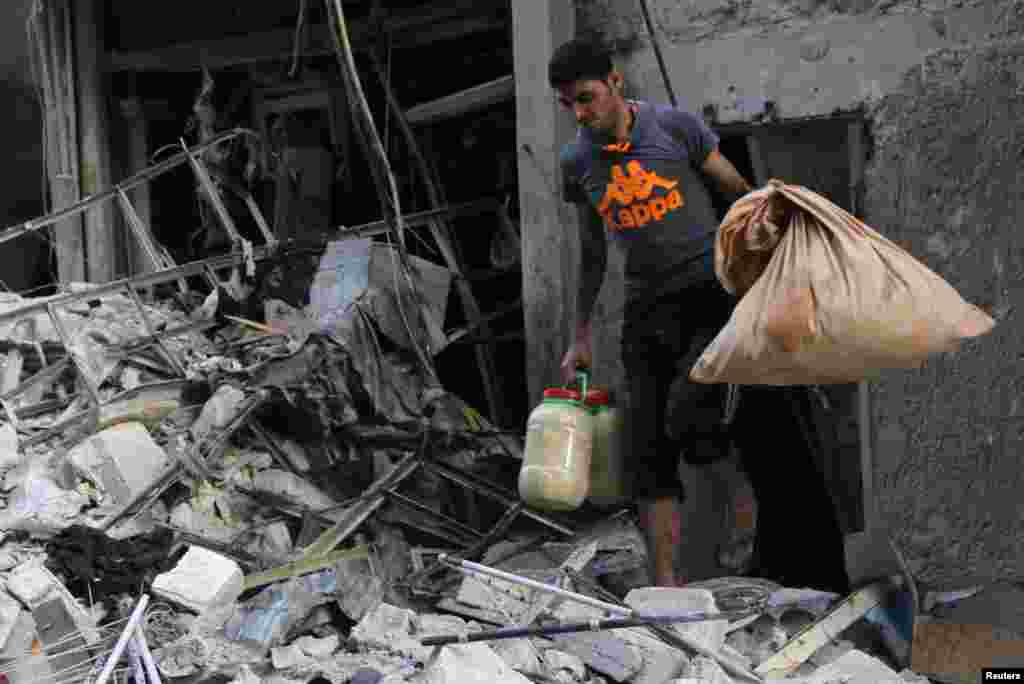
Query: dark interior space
26, 263
471, 157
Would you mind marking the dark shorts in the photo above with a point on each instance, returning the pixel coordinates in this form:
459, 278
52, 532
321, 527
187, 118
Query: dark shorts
669, 416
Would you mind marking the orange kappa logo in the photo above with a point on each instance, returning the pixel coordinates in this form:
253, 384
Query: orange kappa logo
632, 191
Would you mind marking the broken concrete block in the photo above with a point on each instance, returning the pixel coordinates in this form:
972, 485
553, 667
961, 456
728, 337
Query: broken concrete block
831, 652
10, 611
750, 647
288, 657
121, 461
63, 627
32, 669
218, 411
360, 590
623, 654
202, 579
38, 504
246, 676
856, 667
432, 624
472, 663
30, 584
181, 658
318, 648
520, 654
10, 456
618, 655
561, 663
383, 627
272, 541
703, 670
681, 601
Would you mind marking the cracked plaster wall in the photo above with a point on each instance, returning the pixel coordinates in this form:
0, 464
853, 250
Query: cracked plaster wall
942, 86
946, 184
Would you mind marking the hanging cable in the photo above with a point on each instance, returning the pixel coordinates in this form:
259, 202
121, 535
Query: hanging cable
384, 177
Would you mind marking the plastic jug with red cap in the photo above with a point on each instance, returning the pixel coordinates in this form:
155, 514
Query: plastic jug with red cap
608, 485
556, 463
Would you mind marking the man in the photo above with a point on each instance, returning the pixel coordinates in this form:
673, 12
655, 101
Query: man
636, 172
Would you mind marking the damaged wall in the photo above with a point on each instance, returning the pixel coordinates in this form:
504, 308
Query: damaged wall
942, 182
949, 437
808, 57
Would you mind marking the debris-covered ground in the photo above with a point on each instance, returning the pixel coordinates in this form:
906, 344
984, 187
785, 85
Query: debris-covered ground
287, 489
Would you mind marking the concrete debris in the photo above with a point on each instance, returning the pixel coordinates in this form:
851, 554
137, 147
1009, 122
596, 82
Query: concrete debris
384, 628
201, 580
521, 655
855, 667
703, 670
218, 411
471, 664
119, 463
276, 467
10, 611
565, 667
669, 601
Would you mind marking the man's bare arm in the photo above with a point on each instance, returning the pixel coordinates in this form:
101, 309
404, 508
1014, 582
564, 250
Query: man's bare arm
726, 177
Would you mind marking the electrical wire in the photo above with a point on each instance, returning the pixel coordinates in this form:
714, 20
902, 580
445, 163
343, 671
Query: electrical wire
300, 26
351, 77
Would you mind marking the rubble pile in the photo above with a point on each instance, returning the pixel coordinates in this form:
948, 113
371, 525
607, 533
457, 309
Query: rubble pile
280, 477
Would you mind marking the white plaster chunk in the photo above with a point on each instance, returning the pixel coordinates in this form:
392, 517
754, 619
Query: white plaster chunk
121, 461
474, 663
318, 648
683, 601
201, 580
520, 654
383, 627
559, 662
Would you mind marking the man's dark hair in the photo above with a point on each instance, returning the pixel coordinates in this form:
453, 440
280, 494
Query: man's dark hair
577, 60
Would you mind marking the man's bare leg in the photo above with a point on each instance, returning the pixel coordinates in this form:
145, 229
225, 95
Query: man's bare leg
660, 519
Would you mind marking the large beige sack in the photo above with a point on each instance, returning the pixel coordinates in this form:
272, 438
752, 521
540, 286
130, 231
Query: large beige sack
823, 297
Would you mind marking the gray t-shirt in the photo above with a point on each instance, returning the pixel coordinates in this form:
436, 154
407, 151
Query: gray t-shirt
652, 197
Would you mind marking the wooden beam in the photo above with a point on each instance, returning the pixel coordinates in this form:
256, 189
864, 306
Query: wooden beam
550, 244
101, 235
442, 21
463, 102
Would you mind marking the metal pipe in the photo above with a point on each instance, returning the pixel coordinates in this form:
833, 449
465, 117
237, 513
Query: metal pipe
572, 627
477, 569
122, 641
141, 177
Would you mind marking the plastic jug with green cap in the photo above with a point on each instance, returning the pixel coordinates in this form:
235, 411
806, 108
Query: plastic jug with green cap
608, 483
556, 463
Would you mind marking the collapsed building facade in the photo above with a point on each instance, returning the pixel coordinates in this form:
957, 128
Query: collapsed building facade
322, 293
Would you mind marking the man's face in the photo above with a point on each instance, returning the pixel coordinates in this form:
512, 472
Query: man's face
595, 104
